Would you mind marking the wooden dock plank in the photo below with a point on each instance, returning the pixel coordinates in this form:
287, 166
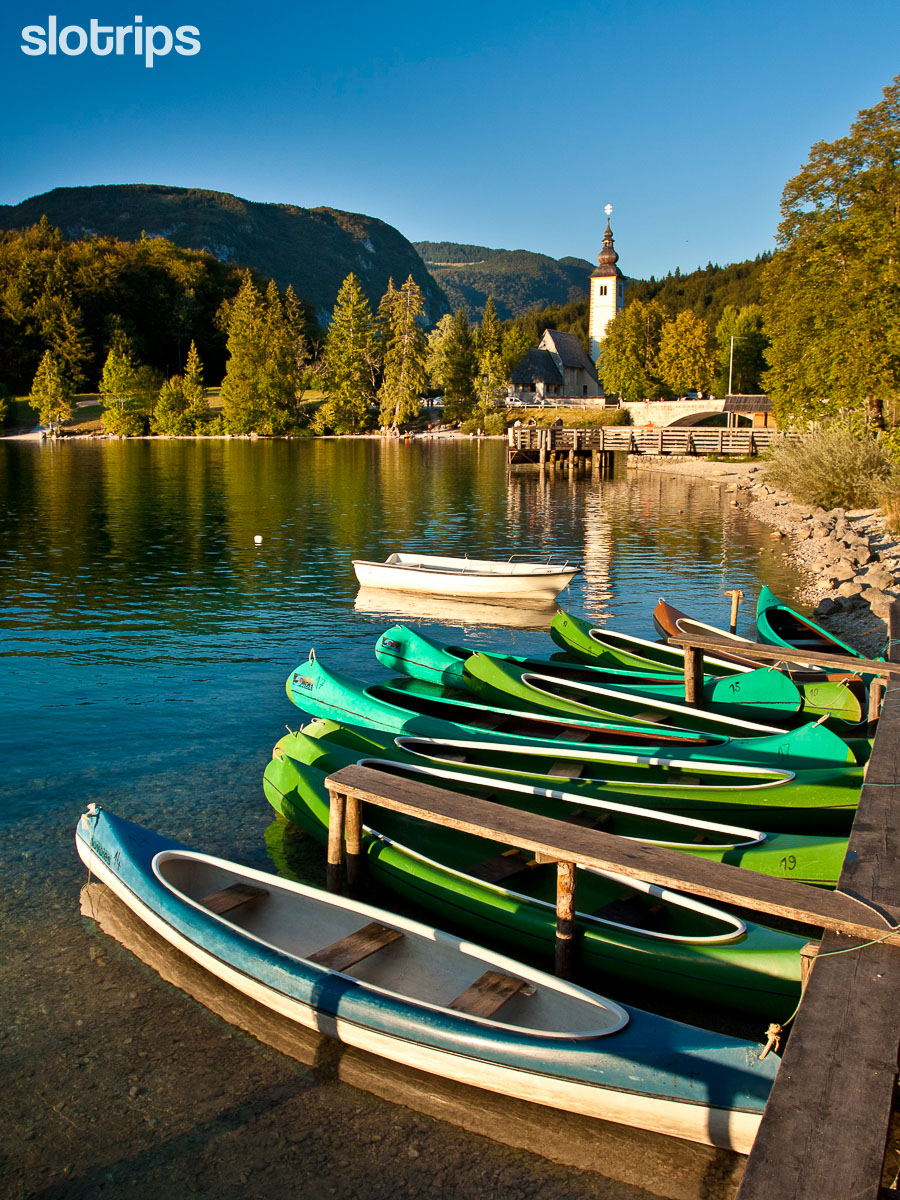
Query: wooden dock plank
824, 1131
566, 843
759, 652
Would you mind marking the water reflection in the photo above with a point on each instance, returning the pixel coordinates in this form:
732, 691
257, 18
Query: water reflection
411, 606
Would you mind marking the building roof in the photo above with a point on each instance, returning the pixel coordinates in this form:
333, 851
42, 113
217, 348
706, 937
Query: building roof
571, 353
747, 404
538, 366
607, 258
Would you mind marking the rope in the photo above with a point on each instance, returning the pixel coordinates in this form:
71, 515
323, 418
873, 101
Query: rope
774, 1032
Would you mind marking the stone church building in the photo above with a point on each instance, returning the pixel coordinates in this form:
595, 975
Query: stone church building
559, 368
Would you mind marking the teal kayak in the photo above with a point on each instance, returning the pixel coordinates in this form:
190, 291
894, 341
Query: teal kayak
780, 625
842, 697
412, 706
626, 930
805, 801
757, 695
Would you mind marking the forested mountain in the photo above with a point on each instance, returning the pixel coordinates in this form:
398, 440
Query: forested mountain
519, 280
313, 249
72, 297
707, 290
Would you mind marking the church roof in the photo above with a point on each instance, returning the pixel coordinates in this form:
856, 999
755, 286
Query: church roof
570, 350
750, 404
538, 366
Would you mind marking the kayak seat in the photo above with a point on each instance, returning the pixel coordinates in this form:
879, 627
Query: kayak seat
501, 866
489, 993
567, 768
632, 910
573, 735
488, 721
354, 947
232, 897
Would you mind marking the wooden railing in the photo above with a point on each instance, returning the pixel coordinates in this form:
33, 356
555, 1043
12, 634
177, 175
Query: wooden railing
642, 440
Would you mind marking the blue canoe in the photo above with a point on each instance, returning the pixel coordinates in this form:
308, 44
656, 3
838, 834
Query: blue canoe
403, 990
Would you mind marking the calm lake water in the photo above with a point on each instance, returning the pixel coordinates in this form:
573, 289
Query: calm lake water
145, 639
144, 645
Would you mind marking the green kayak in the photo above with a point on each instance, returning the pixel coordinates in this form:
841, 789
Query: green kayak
842, 698
647, 935
412, 706
757, 695
806, 801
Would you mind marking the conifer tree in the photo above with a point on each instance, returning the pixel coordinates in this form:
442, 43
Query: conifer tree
193, 387
403, 341
459, 368
122, 389
491, 373
50, 393
170, 416
351, 358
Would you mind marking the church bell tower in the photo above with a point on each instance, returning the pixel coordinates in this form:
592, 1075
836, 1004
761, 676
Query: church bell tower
607, 290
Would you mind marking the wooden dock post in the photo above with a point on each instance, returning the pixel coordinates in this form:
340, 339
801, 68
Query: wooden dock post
353, 835
876, 698
736, 597
565, 919
693, 675
542, 449
334, 868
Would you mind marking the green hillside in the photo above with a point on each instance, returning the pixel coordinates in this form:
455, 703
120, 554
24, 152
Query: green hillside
314, 249
519, 280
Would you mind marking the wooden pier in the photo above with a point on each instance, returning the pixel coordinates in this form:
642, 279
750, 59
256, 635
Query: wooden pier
592, 448
825, 1129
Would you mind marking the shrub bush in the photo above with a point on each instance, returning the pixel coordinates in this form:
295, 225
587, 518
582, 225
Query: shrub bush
889, 499
830, 467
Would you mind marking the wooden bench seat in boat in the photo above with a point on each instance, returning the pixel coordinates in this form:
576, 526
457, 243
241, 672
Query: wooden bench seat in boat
632, 910
232, 897
347, 951
489, 993
501, 866
566, 768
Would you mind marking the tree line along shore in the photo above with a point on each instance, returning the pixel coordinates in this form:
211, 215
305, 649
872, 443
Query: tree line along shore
153, 326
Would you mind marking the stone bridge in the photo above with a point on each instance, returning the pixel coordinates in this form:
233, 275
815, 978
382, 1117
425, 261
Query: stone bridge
661, 413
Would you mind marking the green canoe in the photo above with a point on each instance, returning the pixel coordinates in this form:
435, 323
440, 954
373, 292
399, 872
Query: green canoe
757, 695
780, 625
412, 706
806, 801
629, 930
841, 698
806, 858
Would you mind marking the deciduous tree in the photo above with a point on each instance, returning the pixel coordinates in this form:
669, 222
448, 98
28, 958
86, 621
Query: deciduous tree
745, 363
629, 353
832, 291
686, 355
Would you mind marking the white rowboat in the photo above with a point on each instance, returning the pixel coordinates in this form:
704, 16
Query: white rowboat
475, 577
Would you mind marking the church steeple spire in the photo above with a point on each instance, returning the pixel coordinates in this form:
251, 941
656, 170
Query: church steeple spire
607, 290
607, 255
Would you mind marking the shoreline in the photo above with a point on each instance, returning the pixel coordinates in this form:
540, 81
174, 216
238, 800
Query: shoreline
851, 561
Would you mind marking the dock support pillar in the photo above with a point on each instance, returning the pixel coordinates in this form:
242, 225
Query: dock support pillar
693, 674
353, 835
876, 697
565, 918
334, 865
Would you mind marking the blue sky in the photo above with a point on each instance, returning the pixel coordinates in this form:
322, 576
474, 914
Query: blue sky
503, 124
